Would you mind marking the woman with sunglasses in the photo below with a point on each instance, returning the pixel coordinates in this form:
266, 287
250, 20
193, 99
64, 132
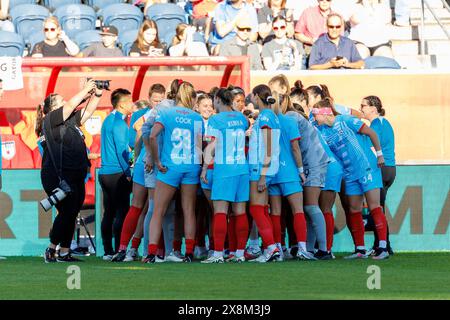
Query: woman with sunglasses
343, 135
373, 110
282, 53
56, 42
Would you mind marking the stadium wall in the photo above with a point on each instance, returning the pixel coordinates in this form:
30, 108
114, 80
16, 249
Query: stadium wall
418, 213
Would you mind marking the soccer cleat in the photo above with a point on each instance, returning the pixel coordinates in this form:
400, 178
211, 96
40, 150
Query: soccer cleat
80, 252
381, 254
230, 257
305, 255
188, 258
213, 259
67, 258
370, 252
293, 251
2, 258
267, 256
287, 254
151, 258
237, 259
390, 251
358, 254
107, 257
159, 259
252, 253
119, 256
173, 257
332, 255
322, 255
132, 255
49, 255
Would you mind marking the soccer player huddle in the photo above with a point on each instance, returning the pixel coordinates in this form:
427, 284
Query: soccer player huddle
238, 168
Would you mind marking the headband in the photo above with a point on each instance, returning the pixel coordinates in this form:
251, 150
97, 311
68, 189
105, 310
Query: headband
322, 111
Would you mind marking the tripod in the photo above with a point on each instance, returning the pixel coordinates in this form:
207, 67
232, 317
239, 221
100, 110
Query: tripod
82, 223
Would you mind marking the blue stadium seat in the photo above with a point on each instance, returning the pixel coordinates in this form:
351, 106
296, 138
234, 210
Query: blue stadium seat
11, 44
14, 3
86, 38
100, 4
121, 15
167, 16
75, 18
54, 4
126, 39
28, 19
34, 38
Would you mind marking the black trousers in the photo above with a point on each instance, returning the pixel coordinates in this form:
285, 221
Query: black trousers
388, 175
68, 209
116, 202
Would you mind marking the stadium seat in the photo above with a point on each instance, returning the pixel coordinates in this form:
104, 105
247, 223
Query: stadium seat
126, 39
34, 38
86, 38
15, 153
14, 3
28, 19
54, 4
100, 4
11, 44
121, 15
75, 18
377, 62
167, 16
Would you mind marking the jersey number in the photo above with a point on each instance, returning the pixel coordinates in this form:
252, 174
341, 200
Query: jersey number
181, 146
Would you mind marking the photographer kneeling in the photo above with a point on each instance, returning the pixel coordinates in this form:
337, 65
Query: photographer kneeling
64, 163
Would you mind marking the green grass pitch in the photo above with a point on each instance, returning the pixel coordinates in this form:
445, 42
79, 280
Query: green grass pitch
403, 276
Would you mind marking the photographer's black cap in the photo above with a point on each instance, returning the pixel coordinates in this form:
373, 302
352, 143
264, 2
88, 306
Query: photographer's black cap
109, 31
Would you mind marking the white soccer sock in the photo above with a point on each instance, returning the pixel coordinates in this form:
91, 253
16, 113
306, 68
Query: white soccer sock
360, 248
239, 253
218, 254
382, 244
271, 247
302, 246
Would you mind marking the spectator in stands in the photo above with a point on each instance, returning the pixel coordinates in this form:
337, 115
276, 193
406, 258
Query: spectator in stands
106, 48
5, 24
282, 53
226, 16
333, 51
402, 13
202, 13
183, 43
147, 42
56, 43
266, 15
370, 28
298, 7
312, 24
242, 45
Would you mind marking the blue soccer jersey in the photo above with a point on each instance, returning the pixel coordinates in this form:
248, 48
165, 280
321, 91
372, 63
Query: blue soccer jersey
257, 145
387, 139
288, 171
228, 130
183, 131
342, 139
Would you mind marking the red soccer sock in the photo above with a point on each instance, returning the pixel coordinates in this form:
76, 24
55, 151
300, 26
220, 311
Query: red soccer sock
129, 226
176, 245
329, 221
300, 226
219, 230
380, 223
232, 240
152, 248
357, 228
242, 229
135, 243
276, 223
189, 246
263, 223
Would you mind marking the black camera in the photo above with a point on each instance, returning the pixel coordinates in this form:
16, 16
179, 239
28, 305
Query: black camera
101, 84
57, 195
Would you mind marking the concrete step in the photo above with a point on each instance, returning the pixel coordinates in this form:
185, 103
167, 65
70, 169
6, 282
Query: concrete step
442, 13
424, 61
415, 32
411, 47
438, 47
415, 4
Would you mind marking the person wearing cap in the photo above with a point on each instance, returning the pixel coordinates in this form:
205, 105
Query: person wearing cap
226, 16
241, 45
106, 48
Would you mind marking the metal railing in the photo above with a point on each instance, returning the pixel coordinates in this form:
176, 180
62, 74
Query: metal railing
438, 20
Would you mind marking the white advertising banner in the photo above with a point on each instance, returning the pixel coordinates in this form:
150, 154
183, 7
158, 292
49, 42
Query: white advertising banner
11, 73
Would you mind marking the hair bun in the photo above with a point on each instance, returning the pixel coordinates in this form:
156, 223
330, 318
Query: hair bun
270, 100
298, 84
